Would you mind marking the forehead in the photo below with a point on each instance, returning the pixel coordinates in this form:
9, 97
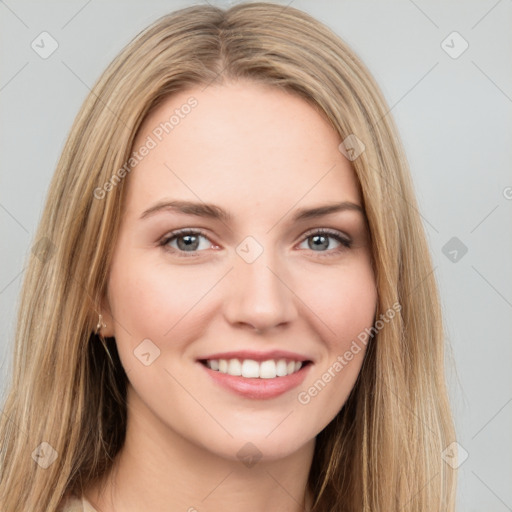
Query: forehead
240, 143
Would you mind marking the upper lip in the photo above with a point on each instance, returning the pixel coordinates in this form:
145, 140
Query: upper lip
257, 356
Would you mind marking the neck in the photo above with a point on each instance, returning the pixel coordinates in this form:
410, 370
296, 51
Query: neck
160, 470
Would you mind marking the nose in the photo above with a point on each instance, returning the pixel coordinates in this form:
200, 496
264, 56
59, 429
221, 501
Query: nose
260, 295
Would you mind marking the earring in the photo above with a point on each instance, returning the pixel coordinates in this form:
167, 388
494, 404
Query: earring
100, 324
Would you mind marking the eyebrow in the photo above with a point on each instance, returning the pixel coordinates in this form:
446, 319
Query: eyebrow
215, 212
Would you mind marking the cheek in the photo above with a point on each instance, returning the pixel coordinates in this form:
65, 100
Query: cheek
344, 304
150, 301
344, 301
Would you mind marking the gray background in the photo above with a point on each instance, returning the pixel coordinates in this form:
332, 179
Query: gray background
454, 115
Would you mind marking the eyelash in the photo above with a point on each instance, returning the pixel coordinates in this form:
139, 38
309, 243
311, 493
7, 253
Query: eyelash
345, 243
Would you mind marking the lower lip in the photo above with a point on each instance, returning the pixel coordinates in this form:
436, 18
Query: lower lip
259, 389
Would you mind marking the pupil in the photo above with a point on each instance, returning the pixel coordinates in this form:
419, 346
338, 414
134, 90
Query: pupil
189, 242
316, 242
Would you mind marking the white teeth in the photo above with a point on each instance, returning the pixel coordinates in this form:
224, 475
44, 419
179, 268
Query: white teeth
268, 369
250, 368
281, 368
234, 367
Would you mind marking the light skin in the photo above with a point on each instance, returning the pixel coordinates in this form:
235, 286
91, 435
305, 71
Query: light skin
260, 154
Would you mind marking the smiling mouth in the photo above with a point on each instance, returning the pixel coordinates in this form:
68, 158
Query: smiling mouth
251, 369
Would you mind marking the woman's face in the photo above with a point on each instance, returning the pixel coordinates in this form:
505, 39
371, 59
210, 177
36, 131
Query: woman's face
251, 286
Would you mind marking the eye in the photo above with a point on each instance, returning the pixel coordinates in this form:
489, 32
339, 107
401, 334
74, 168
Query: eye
189, 241
186, 240
319, 241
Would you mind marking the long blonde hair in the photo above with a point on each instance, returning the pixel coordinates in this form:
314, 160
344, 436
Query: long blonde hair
66, 399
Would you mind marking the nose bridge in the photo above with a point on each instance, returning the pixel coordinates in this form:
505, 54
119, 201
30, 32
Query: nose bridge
259, 294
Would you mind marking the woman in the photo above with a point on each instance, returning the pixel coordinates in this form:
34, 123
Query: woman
231, 303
